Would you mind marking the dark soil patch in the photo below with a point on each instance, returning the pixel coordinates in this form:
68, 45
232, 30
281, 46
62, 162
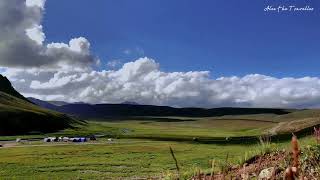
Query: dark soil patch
279, 161
251, 168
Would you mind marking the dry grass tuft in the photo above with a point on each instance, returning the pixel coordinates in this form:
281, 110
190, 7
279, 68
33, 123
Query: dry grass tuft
295, 151
317, 134
292, 172
176, 161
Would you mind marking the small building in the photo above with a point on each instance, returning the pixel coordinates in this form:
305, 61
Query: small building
92, 138
65, 139
78, 139
51, 139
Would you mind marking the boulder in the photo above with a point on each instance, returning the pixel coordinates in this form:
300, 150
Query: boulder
266, 174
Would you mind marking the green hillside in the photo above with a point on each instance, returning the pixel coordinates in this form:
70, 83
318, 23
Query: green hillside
6, 87
19, 116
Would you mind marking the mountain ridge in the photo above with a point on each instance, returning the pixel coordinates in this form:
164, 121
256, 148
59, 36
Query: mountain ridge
108, 110
6, 87
19, 116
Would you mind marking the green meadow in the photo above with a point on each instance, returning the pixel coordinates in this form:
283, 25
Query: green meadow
123, 159
140, 148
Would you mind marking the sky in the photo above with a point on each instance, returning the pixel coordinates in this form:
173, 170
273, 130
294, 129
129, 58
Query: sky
234, 37
208, 53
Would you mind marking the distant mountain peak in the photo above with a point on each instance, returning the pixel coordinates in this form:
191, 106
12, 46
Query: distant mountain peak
4, 81
130, 103
6, 87
58, 103
62, 103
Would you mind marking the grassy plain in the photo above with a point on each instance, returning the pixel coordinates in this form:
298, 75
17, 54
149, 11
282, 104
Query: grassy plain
136, 154
165, 127
127, 158
123, 159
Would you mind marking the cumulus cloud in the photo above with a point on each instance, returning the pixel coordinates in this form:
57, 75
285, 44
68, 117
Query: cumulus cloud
64, 71
113, 64
143, 81
35, 33
22, 37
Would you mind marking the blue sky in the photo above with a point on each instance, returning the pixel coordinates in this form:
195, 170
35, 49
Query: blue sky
225, 37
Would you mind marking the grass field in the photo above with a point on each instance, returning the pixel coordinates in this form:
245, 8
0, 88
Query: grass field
122, 159
205, 127
183, 128
127, 158
208, 128
136, 154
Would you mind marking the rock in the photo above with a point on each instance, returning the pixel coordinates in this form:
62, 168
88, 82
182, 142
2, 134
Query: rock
266, 173
235, 167
245, 176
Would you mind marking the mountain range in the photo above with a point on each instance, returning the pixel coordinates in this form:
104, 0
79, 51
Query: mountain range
101, 111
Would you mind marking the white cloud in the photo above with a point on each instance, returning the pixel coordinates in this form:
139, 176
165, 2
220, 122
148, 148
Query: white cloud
113, 64
142, 81
127, 51
37, 3
22, 40
35, 33
80, 45
134, 51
